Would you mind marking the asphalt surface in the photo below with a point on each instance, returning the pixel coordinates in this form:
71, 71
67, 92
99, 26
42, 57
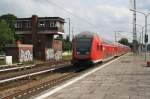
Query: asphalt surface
125, 78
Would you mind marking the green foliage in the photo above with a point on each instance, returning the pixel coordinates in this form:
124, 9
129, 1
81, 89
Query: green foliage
67, 57
7, 30
6, 36
124, 41
60, 37
10, 19
66, 45
2, 62
67, 39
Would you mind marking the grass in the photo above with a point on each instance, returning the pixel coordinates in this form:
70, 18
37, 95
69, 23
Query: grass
2, 62
28, 62
67, 57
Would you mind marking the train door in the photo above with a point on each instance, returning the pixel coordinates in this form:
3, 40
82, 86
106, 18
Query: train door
96, 50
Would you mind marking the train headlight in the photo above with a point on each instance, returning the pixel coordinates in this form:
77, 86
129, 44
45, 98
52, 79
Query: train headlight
87, 53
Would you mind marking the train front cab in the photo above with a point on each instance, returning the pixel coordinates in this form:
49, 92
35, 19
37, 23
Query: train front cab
87, 49
82, 45
96, 50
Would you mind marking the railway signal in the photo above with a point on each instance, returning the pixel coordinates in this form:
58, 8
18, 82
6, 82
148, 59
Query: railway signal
146, 38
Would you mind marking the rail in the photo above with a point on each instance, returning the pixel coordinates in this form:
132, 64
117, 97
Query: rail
2, 57
15, 68
27, 75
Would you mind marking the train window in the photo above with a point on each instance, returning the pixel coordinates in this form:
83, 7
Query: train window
101, 47
97, 47
84, 44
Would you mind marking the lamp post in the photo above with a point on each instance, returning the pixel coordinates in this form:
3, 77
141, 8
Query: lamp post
146, 16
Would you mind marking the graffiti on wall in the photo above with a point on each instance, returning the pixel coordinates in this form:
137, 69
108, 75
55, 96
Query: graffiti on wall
51, 54
58, 55
26, 55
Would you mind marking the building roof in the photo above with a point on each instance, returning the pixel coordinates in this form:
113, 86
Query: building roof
43, 18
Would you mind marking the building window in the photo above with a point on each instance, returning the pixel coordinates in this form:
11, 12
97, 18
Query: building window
51, 23
41, 24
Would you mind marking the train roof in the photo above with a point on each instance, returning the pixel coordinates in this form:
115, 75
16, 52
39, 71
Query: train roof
87, 34
119, 44
105, 41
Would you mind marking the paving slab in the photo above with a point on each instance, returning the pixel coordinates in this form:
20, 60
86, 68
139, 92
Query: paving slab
126, 78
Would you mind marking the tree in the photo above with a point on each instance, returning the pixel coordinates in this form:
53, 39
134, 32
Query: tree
11, 20
67, 39
6, 35
124, 41
66, 44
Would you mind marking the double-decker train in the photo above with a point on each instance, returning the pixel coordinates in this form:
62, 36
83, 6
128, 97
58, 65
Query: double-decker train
88, 47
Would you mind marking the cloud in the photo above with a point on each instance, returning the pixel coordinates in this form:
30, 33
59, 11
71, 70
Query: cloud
102, 16
143, 5
113, 10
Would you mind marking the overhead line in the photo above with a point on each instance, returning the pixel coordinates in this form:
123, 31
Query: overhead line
76, 16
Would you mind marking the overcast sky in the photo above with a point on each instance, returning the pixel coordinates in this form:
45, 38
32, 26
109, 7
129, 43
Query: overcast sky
101, 16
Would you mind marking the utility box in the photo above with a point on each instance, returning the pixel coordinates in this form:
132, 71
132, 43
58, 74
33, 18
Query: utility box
20, 52
8, 60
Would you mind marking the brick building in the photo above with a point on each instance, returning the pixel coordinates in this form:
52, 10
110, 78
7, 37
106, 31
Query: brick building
41, 32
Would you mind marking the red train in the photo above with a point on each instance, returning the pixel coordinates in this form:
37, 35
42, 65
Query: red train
88, 47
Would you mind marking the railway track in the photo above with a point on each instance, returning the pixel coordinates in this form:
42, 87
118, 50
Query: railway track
62, 75
16, 67
26, 70
10, 66
28, 75
17, 77
43, 86
46, 79
7, 75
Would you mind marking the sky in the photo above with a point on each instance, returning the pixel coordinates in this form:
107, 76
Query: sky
100, 16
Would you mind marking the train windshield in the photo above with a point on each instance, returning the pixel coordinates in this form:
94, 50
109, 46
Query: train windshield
83, 44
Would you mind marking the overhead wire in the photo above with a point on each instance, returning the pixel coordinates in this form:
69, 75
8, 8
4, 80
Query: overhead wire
76, 16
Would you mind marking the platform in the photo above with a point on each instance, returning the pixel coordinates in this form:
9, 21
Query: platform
124, 78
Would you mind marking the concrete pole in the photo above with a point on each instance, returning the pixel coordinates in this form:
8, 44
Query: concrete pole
115, 36
72, 33
142, 38
134, 29
145, 35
